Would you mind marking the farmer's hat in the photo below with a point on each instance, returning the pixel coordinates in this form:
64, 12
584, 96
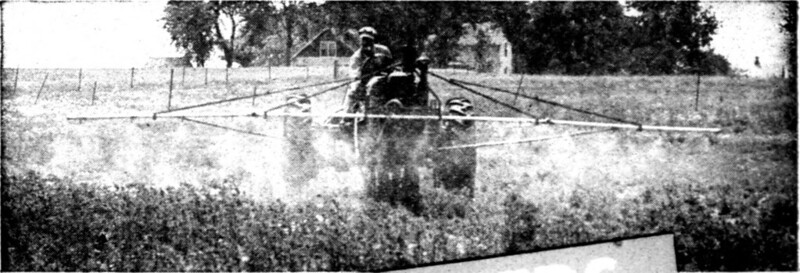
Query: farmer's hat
367, 32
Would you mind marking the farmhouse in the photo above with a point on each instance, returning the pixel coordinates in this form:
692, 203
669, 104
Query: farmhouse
327, 46
486, 49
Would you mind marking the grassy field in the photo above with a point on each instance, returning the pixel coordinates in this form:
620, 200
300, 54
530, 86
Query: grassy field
164, 195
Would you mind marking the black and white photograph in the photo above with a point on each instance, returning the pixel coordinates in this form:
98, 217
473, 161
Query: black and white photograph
399, 136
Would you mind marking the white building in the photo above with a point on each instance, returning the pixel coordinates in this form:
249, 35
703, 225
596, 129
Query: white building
494, 56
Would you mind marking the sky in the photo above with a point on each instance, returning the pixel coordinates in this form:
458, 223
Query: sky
121, 35
86, 35
748, 30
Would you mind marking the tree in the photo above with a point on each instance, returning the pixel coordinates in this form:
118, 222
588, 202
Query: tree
197, 26
190, 25
579, 36
290, 20
231, 11
677, 31
789, 89
563, 37
714, 64
289, 14
260, 27
598, 38
789, 30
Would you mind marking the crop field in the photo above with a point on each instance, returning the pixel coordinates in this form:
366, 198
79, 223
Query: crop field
171, 194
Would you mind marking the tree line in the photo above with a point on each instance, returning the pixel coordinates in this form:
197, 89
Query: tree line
575, 38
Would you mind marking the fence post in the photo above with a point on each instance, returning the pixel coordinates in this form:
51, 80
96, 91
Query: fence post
131, 77
226, 76
269, 70
519, 88
41, 88
205, 82
183, 75
169, 101
697, 93
16, 76
93, 90
80, 78
254, 94
307, 72
335, 69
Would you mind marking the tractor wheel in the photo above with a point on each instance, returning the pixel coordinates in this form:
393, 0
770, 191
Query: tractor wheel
455, 168
346, 125
391, 175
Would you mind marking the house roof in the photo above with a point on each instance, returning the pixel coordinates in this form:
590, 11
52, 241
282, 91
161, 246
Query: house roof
339, 38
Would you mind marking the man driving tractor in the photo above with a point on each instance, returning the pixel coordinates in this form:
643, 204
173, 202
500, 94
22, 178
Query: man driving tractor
366, 60
391, 149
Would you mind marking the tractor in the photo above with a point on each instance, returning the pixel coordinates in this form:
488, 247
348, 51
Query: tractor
392, 151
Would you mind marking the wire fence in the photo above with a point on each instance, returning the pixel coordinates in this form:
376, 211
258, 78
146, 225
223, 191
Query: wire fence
160, 86
187, 77
82, 85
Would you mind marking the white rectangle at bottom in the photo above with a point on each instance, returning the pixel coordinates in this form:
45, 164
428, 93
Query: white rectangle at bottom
654, 253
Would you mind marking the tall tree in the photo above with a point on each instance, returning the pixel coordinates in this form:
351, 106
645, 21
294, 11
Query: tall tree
261, 21
598, 38
564, 37
789, 30
575, 38
230, 11
254, 31
190, 25
198, 26
677, 31
292, 20
289, 14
